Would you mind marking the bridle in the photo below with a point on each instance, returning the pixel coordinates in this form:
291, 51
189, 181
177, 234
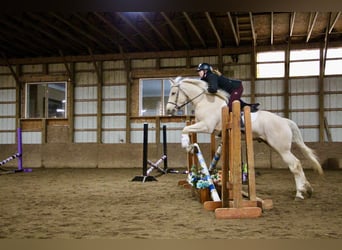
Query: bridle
187, 96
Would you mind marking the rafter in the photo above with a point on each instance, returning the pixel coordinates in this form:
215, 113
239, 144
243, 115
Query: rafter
97, 30
292, 22
130, 24
22, 35
233, 29
174, 28
49, 34
219, 41
115, 29
62, 32
271, 31
156, 31
252, 27
312, 23
192, 25
77, 29
334, 22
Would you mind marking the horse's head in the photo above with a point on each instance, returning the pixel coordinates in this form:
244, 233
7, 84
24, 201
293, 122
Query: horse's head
177, 97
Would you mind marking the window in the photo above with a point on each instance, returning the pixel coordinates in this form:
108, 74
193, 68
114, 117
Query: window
304, 62
270, 64
46, 100
154, 94
333, 64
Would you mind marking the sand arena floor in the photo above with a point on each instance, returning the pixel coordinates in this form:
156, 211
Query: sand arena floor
106, 204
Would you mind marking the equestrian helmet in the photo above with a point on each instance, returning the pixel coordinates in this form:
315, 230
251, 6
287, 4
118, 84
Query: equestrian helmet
204, 66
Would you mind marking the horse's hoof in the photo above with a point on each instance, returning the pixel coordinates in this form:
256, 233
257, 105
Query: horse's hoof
299, 196
190, 149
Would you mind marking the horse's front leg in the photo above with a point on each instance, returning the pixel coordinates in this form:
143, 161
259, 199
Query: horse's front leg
194, 128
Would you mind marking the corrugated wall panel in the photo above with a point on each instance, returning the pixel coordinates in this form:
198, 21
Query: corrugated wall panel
86, 78
109, 92
173, 62
85, 108
7, 81
239, 71
114, 122
114, 107
7, 138
84, 66
85, 122
137, 132
143, 63
273, 88
303, 85
85, 136
333, 100
208, 59
118, 64
31, 137
117, 76
7, 95
114, 137
7, 124
56, 67
32, 68
4, 70
85, 93
7, 109
300, 100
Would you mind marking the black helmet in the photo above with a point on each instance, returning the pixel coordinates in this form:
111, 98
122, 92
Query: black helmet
204, 66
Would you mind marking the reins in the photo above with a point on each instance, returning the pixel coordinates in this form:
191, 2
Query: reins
190, 99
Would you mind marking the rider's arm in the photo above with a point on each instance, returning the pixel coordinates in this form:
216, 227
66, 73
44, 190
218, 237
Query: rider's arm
212, 80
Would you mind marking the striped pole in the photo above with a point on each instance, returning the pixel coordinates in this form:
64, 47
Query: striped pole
216, 158
213, 192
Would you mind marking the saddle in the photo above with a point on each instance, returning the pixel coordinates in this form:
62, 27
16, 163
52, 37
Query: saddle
253, 106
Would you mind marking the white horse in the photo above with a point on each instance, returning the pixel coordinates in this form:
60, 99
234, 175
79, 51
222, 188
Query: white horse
276, 131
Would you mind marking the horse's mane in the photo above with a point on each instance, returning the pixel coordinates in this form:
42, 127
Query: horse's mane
203, 84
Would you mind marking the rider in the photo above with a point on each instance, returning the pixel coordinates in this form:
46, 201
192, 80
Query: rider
216, 81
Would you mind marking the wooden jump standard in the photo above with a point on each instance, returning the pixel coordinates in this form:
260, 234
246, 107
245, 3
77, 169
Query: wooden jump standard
235, 202
232, 204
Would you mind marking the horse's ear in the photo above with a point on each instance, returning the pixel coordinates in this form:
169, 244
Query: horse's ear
178, 79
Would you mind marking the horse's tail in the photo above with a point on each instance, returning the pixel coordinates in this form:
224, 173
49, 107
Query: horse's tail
298, 139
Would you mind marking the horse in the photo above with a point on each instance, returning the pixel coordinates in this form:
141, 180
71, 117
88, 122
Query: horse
276, 131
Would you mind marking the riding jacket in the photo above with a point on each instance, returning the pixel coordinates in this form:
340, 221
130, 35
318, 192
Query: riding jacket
215, 82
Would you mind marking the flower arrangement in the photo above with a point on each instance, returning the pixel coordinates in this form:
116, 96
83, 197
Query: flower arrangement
198, 180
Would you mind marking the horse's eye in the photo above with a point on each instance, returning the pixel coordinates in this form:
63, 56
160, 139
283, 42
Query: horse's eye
173, 93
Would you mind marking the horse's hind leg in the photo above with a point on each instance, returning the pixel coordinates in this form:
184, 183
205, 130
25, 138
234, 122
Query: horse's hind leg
303, 187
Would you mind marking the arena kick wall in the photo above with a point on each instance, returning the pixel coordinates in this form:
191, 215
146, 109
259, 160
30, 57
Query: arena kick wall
103, 128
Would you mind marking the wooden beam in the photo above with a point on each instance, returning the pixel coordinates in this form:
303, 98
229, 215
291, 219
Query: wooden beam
63, 32
97, 30
338, 14
131, 25
156, 31
49, 34
116, 30
237, 41
252, 27
192, 25
66, 65
25, 30
272, 20
323, 55
174, 28
212, 25
311, 25
80, 31
292, 22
